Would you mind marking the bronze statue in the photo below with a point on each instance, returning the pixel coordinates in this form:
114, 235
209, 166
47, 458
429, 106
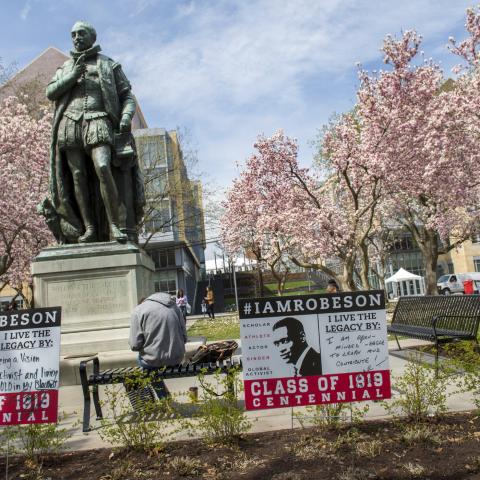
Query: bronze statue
95, 183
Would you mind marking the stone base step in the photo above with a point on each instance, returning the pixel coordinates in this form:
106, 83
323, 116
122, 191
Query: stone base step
89, 342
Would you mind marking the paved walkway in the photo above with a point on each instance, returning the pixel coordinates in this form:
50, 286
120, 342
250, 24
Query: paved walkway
71, 402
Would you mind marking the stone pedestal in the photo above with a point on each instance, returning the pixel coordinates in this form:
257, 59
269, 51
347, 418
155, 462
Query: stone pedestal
97, 285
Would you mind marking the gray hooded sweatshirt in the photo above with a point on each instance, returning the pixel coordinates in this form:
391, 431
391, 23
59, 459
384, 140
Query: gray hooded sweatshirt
157, 331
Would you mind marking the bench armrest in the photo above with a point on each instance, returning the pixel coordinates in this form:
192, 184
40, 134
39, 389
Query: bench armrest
83, 367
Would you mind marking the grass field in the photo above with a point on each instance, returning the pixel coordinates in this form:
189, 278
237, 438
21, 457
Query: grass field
221, 328
292, 284
298, 287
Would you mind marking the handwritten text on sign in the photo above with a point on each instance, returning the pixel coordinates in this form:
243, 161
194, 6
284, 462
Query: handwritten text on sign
314, 349
29, 366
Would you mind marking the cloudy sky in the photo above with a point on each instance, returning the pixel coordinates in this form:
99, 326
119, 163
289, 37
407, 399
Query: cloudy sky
228, 70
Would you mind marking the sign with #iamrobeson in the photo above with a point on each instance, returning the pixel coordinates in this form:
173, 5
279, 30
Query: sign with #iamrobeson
29, 366
314, 349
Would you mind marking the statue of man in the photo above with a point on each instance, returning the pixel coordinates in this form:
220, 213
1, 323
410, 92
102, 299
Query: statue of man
93, 103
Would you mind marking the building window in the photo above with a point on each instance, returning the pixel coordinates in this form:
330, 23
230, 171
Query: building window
476, 238
163, 258
160, 219
403, 243
151, 154
411, 261
156, 183
6, 301
166, 282
476, 263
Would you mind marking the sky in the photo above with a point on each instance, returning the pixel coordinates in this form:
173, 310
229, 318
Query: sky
229, 70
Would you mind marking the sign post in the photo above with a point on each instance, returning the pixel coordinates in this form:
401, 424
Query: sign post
29, 366
314, 349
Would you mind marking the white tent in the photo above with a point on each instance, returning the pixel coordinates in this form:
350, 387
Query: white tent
406, 283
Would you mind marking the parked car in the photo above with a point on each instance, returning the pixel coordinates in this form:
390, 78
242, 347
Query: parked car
453, 282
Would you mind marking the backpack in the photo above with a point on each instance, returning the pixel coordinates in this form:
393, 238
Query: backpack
214, 352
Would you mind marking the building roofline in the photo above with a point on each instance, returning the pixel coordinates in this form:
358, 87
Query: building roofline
36, 58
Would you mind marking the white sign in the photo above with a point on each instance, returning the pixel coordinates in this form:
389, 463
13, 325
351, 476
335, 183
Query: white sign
313, 349
29, 366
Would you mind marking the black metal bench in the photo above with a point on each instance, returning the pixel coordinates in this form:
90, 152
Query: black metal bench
437, 318
91, 381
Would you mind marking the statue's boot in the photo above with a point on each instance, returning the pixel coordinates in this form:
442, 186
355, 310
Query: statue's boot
88, 236
116, 234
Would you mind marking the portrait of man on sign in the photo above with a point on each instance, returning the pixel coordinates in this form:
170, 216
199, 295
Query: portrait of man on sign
290, 339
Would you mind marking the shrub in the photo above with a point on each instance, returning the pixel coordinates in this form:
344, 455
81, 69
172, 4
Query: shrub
414, 434
369, 448
34, 442
145, 429
415, 470
422, 393
186, 466
332, 416
466, 357
220, 419
310, 447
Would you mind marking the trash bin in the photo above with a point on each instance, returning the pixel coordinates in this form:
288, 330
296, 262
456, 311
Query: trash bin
468, 287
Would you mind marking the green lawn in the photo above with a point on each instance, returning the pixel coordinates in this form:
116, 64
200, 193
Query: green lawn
297, 287
222, 328
306, 292
292, 284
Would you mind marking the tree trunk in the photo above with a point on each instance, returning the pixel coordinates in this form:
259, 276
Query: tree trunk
365, 267
280, 278
284, 279
427, 241
259, 290
347, 284
430, 258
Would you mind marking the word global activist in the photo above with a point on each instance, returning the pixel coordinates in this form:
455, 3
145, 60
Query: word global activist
96, 187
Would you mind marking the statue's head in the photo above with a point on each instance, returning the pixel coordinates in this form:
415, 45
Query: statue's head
83, 36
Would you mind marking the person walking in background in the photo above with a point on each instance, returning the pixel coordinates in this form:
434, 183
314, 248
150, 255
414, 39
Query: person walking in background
332, 286
210, 301
182, 302
204, 307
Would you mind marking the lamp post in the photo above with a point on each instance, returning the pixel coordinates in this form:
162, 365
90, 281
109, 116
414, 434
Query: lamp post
235, 285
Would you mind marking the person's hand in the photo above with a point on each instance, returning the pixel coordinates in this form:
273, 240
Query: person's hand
80, 66
125, 123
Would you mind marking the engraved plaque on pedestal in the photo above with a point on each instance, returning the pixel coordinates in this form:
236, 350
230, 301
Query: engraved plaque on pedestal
97, 284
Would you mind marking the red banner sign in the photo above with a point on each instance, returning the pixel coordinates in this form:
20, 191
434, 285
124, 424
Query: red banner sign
28, 407
314, 390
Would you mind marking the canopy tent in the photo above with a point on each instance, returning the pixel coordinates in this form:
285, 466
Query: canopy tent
406, 283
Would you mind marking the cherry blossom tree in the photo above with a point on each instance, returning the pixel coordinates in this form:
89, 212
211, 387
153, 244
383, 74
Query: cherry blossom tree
295, 212
247, 225
24, 153
238, 225
407, 153
426, 157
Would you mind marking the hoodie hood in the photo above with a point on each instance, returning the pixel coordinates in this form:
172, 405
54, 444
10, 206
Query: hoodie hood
163, 298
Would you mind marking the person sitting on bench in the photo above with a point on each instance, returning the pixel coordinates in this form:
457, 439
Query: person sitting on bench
158, 334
